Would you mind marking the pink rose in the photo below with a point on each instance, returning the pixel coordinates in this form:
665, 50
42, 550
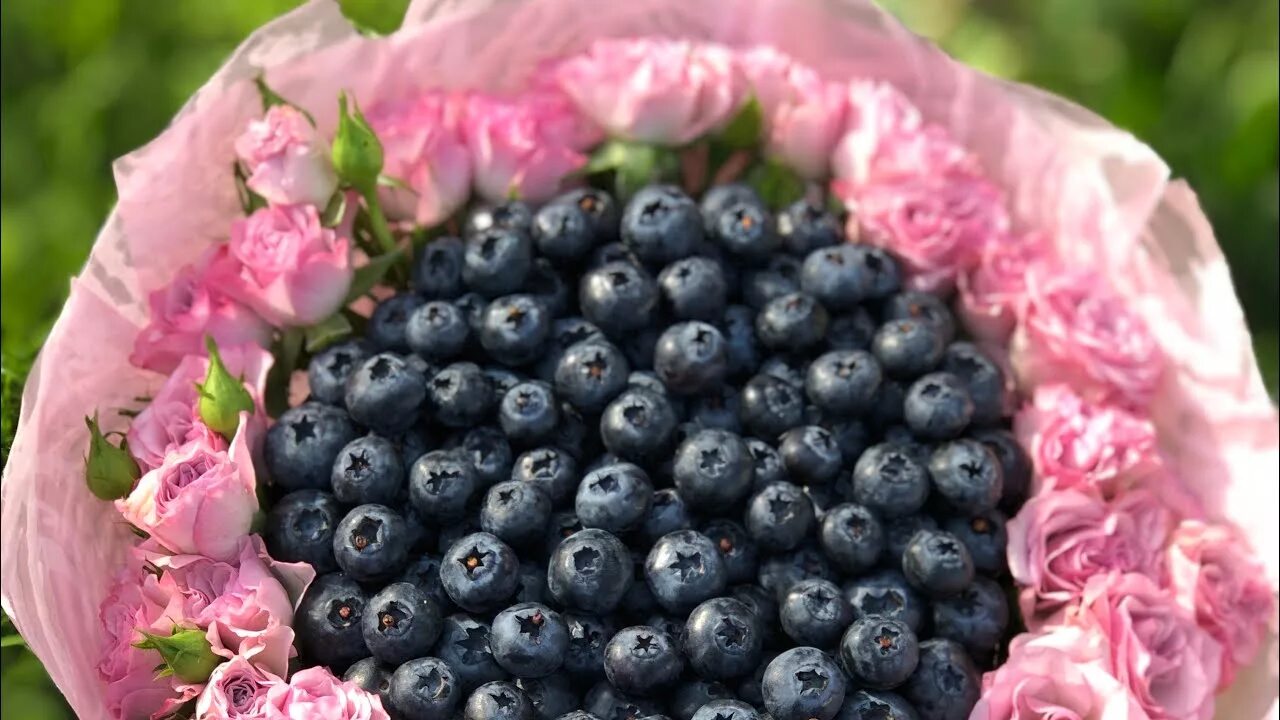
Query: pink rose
133, 692
524, 146
423, 148
172, 420
1076, 331
286, 265
1056, 675
804, 114
1061, 538
1154, 646
187, 310
654, 90
237, 690
1079, 445
316, 693
1215, 577
288, 162
993, 293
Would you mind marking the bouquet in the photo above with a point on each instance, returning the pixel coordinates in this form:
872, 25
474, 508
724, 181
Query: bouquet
562, 359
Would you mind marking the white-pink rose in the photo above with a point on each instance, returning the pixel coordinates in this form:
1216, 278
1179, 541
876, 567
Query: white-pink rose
316, 693
1061, 674
1077, 331
1216, 578
288, 161
661, 91
423, 149
286, 265
804, 114
991, 296
1062, 538
191, 307
1154, 646
237, 690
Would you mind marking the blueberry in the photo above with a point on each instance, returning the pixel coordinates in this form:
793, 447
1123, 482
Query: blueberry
438, 331
590, 374
737, 550
532, 584
487, 449
615, 497
937, 563
976, 617
498, 700
718, 409
515, 512
588, 637
605, 701
400, 623
437, 269
887, 409
810, 454
661, 224
778, 573
843, 382
529, 412
638, 424
726, 709
690, 358
805, 226
551, 696
694, 288
886, 594
683, 569
881, 276
693, 694
641, 660
590, 571
792, 323
600, 209
578, 715
510, 215
738, 326
387, 324
985, 536
464, 645
945, 685
967, 475
515, 329
423, 572
852, 537
981, 377
424, 689
303, 443
479, 572
667, 514
898, 532
613, 252
778, 277
915, 305
779, 517
300, 528
550, 469
497, 260
851, 330
745, 229
328, 621
548, 286
370, 543
562, 231
907, 348
529, 640
835, 275
385, 393
461, 395
1015, 465
618, 297
441, 484
369, 675
718, 198
329, 369
368, 470
472, 306
787, 369
877, 705
937, 406
713, 469
879, 653
501, 380
889, 481
814, 613
803, 683
766, 463
770, 406
562, 525
723, 639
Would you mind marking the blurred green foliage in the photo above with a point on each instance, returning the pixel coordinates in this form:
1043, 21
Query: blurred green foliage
85, 81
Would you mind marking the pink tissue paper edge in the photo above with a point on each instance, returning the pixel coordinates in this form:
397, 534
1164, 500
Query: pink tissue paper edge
1067, 172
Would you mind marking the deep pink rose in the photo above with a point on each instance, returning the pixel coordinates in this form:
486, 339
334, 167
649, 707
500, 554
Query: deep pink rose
423, 149
654, 90
172, 419
1215, 577
286, 265
288, 161
1075, 444
1075, 330
316, 693
1154, 646
524, 146
245, 604
201, 500
237, 690
133, 692
992, 295
1061, 674
804, 114
1061, 538
184, 312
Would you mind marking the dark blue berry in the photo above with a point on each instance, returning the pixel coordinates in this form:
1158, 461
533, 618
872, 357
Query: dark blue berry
590, 571
498, 700
770, 406
836, 275
713, 470
898, 531
549, 469
424, 689
976, 617
985, 536
852, 537
496, 261
851, 330
386, 330
637, 426
779, 517
967, 475
694, 288
945, 685
766, 463
810, 454
300, 528
792, 323
489, 452
529, 412
510, 215
690, 358
328, 621
438, 331
605, 701
562, 231
400, 623
515, 329
661, 224
615, 497
981, 377
877, 705
551, 696
461, 395
937, 406
385, 394
778, 573
722, 639
368, 470
843, 382
805, 226
726, 709
803, 683
529, 640
879, 653
738, 551
1015, 465
886, 594
814, 612
423, 572
370, 543
667, 514
936, 563
441, 483
588, 637
889, 481
590, 374
683, 569
464, 645
372, 677
642, 660
779, 277
437, 270
600, 209
515, 512
881, 277
692, 695
718, 198
745, 228
303, 443
916, 305
907, 348
329, 369
472, 306
479, 572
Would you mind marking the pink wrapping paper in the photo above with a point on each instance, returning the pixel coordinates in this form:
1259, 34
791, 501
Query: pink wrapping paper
1103, 194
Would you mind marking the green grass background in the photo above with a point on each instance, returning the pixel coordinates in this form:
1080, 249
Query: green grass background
85, 81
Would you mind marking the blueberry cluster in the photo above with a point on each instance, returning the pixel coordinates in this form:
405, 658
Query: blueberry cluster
668, 460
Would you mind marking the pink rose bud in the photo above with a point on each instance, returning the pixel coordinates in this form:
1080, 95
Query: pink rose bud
237, 690
288, 161
423, 152
667, 92
316, 693
287, 266
804, 114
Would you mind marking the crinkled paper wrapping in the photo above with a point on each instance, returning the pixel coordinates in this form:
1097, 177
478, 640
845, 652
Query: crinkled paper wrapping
1107, 198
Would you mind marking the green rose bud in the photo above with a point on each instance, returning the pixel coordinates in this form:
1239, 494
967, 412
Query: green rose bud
186, 653
222, 396
357, 153
109, 470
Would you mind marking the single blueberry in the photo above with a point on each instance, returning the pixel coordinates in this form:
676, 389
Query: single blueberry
385, 394
303, 443
425, 688
529, 412
618, 297
667, 514
805, 226
464, 646
889, 481
745, 229
328, 621
835, 275
661, 224
792, 323
694, 288
907, 348
515, 512
936, 563
563, 232
590, 374
642, 660
638, 424
879, 653
810, 454
329, 369
600, 209
615, 497
438, 331
985, 536
937, 407
690, 358
713, 470
487, 449
976, 617
498, 700
370, 543
722, 639
590, 571
589, 635
779, 517
549, 469
515, 329
387, 324
718, 198
684, 568
1015, 465
368, 470
400, 623
300, 528
945, 685
770, 406
814, 613
437, 269
529, 640
741, 558
496, 261
852, 537
843, 382
967, 475
441, 483
479, 572
803, 683
461, 395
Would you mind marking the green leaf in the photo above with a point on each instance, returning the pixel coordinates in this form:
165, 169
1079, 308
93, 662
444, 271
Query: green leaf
633, 165
14, 640
777, 184
287, 351
380, 17
371, 273
330, 330
745, 129
609, 156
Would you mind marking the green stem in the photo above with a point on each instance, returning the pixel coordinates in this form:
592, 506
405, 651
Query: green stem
378, 222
